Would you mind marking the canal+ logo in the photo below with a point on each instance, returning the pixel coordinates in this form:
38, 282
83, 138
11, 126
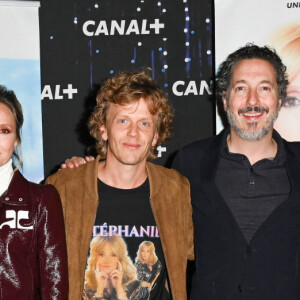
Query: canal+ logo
122, 27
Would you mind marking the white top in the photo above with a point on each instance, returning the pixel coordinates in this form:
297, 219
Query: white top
6, 173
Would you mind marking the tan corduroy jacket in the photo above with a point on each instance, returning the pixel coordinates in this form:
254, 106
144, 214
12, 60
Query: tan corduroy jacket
170, 202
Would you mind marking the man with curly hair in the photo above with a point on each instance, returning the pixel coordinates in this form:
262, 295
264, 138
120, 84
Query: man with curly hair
121, 193
244, 189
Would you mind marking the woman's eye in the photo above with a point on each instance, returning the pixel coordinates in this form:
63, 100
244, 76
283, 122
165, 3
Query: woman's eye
291, 102
4, 130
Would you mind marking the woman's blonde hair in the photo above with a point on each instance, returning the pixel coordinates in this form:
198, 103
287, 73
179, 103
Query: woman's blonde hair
286, 41
152, 258
119, 247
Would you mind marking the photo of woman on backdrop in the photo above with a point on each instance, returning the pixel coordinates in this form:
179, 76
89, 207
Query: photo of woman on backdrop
286, 42
110, 273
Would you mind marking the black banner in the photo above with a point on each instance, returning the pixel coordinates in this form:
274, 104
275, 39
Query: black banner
85, 42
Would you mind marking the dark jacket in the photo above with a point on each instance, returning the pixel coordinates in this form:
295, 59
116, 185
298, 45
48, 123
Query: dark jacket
32, 243
227, 267
170, 202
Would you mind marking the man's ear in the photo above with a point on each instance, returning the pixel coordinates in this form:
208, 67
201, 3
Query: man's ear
103, 131
224, 101
280, 103
155, 139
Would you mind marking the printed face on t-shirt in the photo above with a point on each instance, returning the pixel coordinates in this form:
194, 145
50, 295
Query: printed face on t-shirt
107, 260
145, 253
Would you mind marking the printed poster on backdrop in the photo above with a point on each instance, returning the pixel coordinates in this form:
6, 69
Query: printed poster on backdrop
269, 22
20, 72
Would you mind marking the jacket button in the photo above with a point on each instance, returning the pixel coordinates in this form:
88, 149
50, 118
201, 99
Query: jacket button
248, 249
6, 198
20, 199
240, 289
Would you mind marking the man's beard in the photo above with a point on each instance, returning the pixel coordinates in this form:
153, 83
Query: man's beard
251, 134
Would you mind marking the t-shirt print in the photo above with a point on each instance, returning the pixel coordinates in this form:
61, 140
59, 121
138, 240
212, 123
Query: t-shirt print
111, 274
125, 260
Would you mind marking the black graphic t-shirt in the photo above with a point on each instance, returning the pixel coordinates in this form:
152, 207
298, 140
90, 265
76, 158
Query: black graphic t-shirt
125, 260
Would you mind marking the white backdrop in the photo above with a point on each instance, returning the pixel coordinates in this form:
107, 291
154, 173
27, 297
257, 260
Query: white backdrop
20, 71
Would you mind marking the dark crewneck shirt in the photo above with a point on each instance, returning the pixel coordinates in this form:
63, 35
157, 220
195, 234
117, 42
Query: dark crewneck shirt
252, 192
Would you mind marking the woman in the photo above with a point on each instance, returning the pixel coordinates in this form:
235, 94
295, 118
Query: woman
110, 273
286, 41
147, 264
32, 249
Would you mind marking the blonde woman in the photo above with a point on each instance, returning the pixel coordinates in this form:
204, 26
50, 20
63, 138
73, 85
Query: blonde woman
110, 273
147, 264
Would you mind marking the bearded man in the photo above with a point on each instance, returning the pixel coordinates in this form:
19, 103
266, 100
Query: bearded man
244, 190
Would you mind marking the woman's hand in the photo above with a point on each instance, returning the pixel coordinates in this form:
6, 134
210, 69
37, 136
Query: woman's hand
101, 279
116, 277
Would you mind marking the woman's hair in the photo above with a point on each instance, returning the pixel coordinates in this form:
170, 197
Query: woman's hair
119, 248
152, 258
251, 51
286, 41
8, 98
127, 88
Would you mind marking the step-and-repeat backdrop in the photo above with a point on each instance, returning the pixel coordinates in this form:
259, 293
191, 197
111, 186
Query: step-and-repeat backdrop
270, 22
84, 42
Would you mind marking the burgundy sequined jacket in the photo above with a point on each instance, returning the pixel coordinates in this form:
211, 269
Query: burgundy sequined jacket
33, 260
